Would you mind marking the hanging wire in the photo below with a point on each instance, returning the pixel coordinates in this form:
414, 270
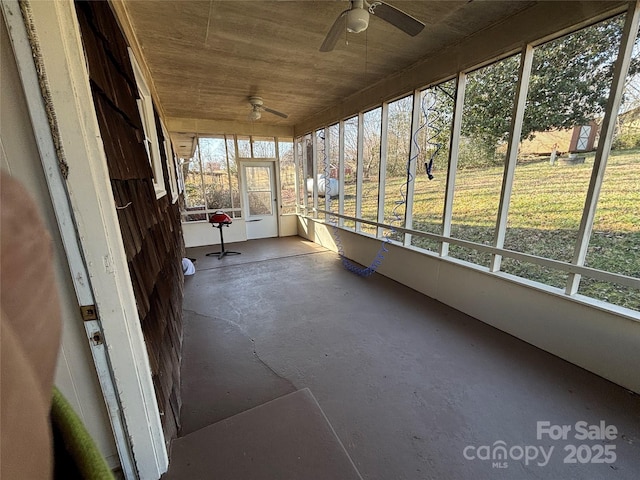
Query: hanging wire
431, 115
429, 124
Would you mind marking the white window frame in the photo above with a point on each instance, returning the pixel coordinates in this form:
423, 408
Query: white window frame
172, 167
180, 177
145, 107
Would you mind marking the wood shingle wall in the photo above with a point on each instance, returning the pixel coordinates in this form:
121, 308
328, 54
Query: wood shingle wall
150, 227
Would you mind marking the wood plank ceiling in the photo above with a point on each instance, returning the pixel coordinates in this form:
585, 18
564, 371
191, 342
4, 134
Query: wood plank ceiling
207, 57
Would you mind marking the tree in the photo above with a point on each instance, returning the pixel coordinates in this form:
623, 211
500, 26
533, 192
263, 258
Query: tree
372, 121
399, 136
569, 85
350, 149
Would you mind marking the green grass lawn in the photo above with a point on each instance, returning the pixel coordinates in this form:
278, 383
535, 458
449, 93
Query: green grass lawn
544, 216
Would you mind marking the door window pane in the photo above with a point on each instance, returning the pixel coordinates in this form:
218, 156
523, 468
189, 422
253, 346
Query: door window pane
259, 190
260, 203
258, 179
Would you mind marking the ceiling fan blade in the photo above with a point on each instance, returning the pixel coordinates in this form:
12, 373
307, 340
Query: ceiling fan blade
275, 112
397, 18
336, 30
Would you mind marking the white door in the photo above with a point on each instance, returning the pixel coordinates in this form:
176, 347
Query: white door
260, 199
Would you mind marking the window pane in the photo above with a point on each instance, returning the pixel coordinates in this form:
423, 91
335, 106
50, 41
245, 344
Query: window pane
332, 171
307, 160
233, 174
322, 163
193, 189
615, 240
244, 147
194, 217
264, 147
570, 83
398, 144
350, 169
371, 168
213, 155
287, 177
300, 187
433, 137
488, 105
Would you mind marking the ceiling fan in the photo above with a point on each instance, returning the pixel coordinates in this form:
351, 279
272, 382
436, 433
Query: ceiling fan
257, 107
356, 20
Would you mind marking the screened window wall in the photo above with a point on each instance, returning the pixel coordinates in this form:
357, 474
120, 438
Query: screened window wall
211, 180
527, 167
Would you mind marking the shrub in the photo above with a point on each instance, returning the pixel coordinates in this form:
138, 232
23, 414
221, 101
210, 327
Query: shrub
626, 141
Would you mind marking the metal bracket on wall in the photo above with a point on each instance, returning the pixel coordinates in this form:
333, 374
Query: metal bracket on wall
88, 312
96, 337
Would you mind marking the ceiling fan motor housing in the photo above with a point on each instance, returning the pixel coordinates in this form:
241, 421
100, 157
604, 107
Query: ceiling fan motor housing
256, 101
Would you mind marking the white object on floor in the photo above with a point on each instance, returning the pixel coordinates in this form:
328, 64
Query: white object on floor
188, 268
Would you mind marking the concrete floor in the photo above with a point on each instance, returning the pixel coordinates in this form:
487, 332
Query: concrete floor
407, 382
288, 438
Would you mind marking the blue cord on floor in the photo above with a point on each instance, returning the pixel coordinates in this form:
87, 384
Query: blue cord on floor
346, 263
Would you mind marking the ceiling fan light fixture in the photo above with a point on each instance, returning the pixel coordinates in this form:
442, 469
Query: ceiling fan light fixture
357, 20
255, 115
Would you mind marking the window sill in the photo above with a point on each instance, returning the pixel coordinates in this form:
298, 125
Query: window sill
160, 192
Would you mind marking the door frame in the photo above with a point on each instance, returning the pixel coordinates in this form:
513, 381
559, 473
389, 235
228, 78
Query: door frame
272, 163
88, 221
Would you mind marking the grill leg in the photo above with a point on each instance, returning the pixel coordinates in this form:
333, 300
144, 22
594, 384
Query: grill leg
222, 251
